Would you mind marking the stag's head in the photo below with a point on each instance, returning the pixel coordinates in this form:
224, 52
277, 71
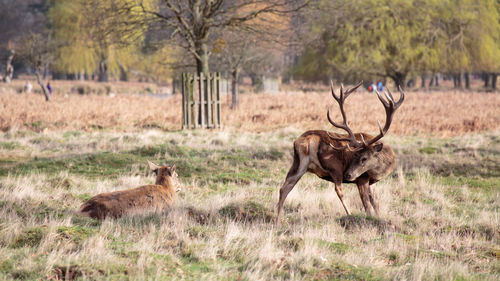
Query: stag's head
367, 155
165, 175
366, 159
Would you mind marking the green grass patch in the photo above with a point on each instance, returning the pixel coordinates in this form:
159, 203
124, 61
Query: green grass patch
336, 247
8, 145
91, 165
83, 197
343, 271
30, 237
483, 184
75, 233
69, 134
429, 150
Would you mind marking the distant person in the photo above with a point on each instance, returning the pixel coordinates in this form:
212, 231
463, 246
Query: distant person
380, 86
28, 87
49, 87
372, 88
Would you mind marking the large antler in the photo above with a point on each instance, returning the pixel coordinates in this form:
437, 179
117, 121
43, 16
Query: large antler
390, 107
340, 100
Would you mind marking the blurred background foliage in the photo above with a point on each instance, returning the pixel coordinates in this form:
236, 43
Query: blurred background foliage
309, 40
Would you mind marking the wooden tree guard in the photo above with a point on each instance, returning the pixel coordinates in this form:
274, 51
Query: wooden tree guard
201, 100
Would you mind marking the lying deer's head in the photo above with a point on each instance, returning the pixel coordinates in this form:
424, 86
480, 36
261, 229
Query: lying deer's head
165, 175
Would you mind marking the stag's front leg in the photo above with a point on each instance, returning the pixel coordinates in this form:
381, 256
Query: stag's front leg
340, 194
374, 203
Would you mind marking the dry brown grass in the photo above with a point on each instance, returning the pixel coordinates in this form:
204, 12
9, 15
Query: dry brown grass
435, 113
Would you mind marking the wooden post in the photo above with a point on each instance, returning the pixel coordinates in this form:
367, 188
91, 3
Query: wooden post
219, 122
209, 99
201, 100
196, 97
189, 100
184, 103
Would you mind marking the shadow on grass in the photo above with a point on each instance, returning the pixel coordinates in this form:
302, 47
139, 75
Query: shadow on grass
355, 222
248, 211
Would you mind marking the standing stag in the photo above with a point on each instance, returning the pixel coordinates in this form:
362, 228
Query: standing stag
353, 158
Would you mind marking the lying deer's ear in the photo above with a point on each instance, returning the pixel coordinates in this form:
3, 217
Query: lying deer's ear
153, 166
378, 147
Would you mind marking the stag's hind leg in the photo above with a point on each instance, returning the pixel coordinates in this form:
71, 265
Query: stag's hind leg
298, 169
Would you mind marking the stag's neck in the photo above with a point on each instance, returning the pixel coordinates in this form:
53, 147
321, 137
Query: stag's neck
387, 164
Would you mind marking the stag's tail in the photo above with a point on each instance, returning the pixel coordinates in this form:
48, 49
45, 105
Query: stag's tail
296, 161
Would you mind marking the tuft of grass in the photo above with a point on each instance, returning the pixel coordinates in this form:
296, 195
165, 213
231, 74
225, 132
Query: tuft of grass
292, 243
70, 272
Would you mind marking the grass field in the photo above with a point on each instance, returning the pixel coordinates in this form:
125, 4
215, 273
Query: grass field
439, 209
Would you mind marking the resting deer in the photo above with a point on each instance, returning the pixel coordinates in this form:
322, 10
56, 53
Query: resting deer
152, 197
353, 158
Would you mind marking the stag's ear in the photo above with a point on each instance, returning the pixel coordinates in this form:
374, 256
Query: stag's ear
153, 166
172, 168
378, 147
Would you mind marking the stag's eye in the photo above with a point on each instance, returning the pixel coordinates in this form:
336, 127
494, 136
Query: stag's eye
363, 160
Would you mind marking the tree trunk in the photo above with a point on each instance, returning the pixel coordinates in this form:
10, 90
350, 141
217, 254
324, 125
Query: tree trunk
103, 72
494, 80
234, 87
437, 81
486, 79
431, 81
46, 71
202, 59
42, 85
467, 80
422, 85
123, 73
457, 81
9, 68
399, 79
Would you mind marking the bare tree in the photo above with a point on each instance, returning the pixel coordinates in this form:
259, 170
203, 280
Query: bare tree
16, 17
37, 51
234, 51
192, 22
